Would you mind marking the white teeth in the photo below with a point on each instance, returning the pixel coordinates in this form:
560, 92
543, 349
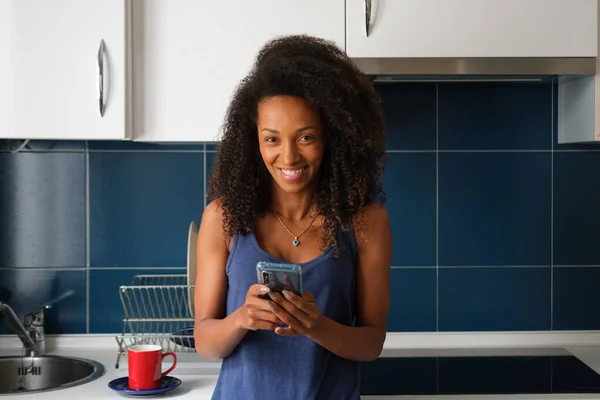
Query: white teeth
289, 172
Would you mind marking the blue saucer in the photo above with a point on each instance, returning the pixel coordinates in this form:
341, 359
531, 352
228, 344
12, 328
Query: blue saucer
184, 337
121, 385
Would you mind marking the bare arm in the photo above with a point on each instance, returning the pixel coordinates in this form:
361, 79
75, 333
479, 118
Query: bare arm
216, 336
365, 341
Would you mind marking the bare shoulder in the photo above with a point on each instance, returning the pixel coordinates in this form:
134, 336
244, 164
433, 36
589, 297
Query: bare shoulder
376, 212
213, 211
372, 223
212, 221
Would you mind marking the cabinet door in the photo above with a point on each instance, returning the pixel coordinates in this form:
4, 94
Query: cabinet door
473, 28
48, 69
190, 55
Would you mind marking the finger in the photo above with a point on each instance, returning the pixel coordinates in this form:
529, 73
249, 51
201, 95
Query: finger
258, 296
286, 331
260, 303
256, 325
300, 302
308, 297
285, 316
261, 315
285, 303
258, 290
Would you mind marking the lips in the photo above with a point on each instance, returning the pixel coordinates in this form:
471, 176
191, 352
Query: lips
292, 174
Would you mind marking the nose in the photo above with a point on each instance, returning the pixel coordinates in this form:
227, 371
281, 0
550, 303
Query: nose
289, 152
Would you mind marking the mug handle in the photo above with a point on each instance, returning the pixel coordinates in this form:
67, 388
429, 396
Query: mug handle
172, 366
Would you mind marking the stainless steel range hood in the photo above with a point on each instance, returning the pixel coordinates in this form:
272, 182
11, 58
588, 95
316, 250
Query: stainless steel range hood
474, 69
578, 83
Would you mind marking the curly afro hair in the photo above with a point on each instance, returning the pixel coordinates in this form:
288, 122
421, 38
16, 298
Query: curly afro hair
350, 175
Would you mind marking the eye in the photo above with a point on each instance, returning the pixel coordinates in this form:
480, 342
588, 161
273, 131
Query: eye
307, 138
270, 139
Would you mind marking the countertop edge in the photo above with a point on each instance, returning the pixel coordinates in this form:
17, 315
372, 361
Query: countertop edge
411, 342
200, 376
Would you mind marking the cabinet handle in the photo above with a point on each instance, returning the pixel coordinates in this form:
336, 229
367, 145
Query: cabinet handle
367, 17
101, 76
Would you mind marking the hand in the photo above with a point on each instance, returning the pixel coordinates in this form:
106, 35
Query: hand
256, 313
301, 314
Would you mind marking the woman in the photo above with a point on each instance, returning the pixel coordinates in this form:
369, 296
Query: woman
297, 179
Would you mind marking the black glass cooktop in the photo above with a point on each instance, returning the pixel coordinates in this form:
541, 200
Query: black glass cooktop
478, 375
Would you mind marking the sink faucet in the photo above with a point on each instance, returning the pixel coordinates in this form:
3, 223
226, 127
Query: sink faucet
31, 332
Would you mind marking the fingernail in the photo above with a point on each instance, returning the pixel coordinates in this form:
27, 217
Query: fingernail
264, 289
286, 294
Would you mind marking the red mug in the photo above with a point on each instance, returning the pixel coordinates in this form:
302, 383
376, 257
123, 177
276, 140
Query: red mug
145, 365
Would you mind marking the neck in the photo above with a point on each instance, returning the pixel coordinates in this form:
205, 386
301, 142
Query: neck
293, 206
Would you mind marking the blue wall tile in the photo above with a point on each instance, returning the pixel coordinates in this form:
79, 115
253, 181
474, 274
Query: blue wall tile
141, 206
410, 113
495, 116
106, 309
489, 299
27, 289
494, 208
409, 183
576, 297
413, 305
42, 212
576, 211
210, 162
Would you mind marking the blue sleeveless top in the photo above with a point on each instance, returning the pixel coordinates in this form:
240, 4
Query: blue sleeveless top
267, 366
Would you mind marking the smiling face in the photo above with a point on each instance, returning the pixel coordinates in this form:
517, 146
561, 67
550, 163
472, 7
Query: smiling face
291, 141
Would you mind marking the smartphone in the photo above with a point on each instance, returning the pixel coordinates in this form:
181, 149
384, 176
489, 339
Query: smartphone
280, 276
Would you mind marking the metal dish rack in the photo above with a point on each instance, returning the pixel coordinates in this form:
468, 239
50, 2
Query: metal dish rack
155, 307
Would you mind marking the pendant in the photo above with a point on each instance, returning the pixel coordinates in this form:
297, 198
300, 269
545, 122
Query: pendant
296, 242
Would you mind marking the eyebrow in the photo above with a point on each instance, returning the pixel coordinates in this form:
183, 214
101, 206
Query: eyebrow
297, 131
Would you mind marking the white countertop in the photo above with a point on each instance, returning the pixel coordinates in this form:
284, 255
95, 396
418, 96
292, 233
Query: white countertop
199, 377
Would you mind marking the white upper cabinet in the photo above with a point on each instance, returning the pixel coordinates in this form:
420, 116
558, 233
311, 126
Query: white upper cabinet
50, 64
472, 28
190, 55
168, 68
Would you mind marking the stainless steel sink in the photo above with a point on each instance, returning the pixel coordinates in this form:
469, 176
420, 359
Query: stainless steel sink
43, 373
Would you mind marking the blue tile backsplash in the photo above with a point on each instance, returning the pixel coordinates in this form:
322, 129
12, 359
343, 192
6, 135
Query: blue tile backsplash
494, 116
26, 289
494, 208
413, 217
143, 203
42, 214
576, 211
499, 299
413, 300
495, 226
